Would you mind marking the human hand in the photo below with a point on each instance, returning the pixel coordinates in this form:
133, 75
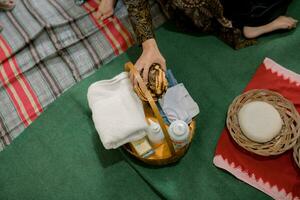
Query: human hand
150, 55
105, 9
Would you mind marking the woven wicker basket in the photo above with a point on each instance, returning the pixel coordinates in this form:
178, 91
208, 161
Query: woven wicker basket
290, 131
165, 153
297, 153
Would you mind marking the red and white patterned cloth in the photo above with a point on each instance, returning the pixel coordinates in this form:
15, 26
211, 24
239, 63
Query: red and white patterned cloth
277, 176
48, 46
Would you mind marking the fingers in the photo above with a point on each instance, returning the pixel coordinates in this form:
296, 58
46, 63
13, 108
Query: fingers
104, 11
143, 69
139, 67
103, 17
131, 77
163, 65
107, 15
150, 55
146, 72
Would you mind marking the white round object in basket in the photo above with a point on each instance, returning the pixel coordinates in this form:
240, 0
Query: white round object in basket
259, 121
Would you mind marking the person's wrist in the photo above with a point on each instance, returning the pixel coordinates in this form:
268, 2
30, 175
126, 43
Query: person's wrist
149, 44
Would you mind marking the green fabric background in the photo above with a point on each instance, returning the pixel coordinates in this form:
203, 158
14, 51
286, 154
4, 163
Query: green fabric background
61, 157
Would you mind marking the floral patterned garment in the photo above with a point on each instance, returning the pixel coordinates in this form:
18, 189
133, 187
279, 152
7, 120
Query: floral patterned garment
205, 15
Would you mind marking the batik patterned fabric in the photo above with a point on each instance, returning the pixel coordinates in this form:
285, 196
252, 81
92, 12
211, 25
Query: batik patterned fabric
49, 45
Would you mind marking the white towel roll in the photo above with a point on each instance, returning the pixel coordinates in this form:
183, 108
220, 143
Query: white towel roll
118, 113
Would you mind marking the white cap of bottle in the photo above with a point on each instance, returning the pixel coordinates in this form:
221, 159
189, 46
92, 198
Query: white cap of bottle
179, 133
180, 129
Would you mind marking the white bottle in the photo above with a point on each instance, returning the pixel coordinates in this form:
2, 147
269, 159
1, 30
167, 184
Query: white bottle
155, 134
179, 133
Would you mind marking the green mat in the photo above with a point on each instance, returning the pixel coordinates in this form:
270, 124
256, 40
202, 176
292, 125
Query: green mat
61, 157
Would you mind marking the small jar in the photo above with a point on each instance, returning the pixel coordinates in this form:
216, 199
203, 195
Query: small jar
179, 133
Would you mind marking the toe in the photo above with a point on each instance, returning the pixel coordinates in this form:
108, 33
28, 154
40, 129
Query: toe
291, 20
289, 26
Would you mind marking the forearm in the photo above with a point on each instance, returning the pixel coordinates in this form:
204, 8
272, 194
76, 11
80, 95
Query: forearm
141, 20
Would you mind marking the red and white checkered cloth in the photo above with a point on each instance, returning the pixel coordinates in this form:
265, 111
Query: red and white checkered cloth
48, 46
277, 176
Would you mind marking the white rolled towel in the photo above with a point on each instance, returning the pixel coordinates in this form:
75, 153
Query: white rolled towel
118, 113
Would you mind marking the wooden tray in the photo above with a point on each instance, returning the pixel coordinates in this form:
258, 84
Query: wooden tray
165, 153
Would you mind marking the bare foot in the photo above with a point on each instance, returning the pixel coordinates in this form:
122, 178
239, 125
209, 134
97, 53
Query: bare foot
105, 9
279, 23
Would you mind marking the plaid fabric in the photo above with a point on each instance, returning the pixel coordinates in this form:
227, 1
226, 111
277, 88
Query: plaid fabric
49, 45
